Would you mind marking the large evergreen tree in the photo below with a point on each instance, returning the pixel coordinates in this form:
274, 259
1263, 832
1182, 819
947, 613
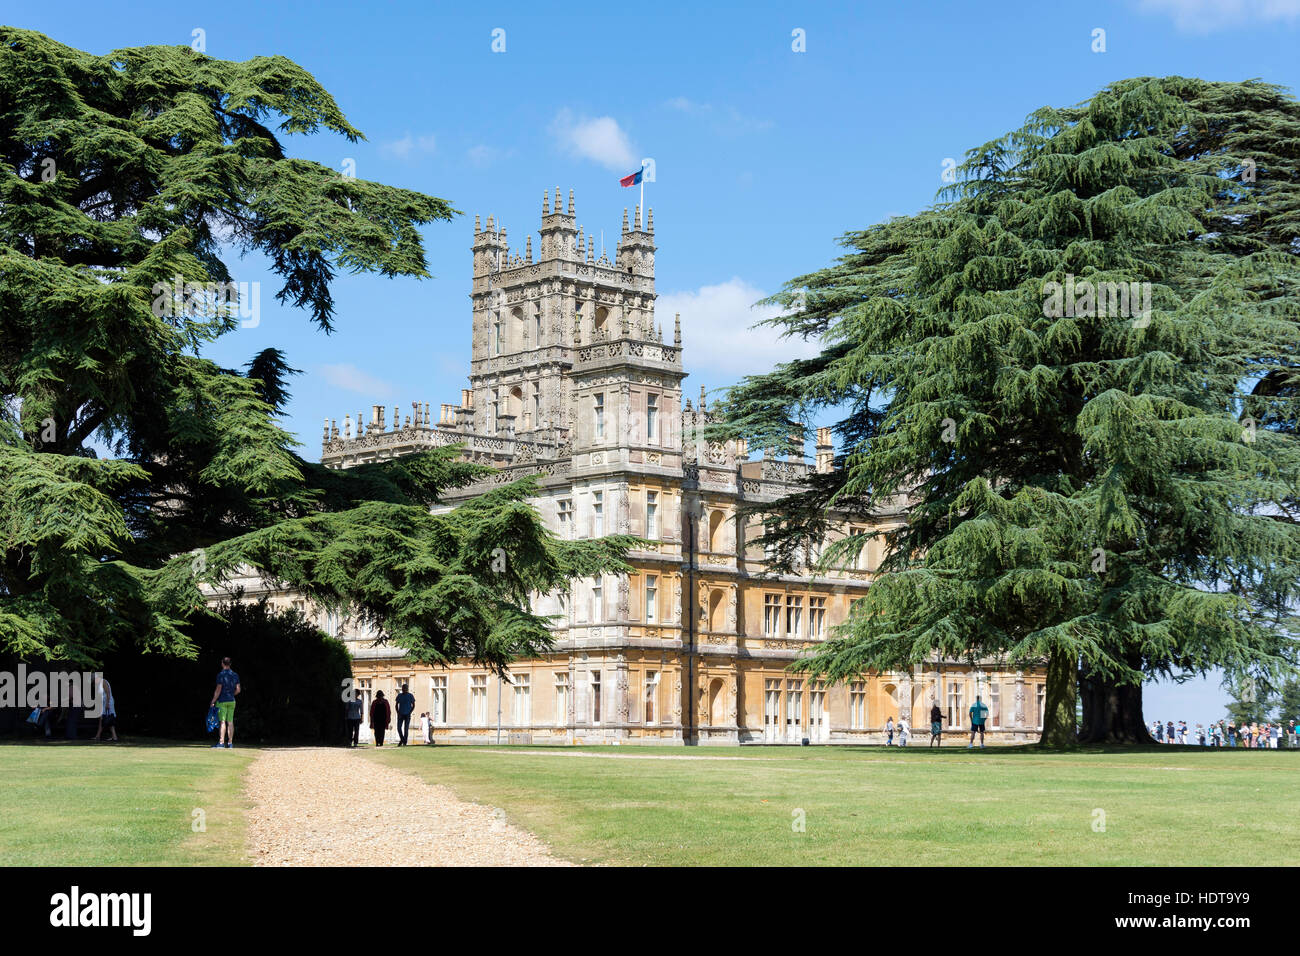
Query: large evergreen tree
1095, 484
147, 166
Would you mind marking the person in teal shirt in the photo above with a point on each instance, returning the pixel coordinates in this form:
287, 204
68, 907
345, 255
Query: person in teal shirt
978, 714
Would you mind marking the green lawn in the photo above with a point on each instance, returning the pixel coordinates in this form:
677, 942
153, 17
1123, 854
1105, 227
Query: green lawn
120, 804
951, 807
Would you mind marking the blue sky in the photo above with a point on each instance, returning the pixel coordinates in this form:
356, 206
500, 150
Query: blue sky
763, 155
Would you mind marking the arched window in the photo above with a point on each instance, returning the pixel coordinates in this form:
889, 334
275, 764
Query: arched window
518, 330
717, 521
716, 622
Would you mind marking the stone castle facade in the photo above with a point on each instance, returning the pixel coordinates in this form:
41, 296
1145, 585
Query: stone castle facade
573, 379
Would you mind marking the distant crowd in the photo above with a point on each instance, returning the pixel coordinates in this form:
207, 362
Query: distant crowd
1225, 733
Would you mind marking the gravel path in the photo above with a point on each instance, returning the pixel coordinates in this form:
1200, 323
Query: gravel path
328, 806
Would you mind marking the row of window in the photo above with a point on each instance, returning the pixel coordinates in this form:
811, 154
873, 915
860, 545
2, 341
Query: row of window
566, 515
783, 714
520, 706
790, 624
791, 717
651, 433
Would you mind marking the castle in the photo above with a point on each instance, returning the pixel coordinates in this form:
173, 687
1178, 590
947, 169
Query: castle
571, 379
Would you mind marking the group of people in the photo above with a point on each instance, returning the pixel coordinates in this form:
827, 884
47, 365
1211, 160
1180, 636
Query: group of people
381, 716
979, 715
1225, 733
43, 718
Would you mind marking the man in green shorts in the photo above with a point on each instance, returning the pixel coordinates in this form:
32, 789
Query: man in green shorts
223, 698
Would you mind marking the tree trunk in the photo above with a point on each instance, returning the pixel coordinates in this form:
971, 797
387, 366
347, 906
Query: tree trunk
1059, 701
1112, 712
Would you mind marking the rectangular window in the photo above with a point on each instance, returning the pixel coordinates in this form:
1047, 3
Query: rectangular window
858, 705
793, 709
651, 598
817, 618
565, 506
771, 615
597, 602
597, 514
438, 690
561, 698
862, 559
771, 709
478, 696
651, 696
652, 515
600, 415
496, 338
956, 719
595, 697
652, 419
995, 706
1040, 695
522, 712
793, 615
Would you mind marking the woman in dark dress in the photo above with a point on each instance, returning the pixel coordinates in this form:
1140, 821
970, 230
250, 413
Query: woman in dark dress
380, 716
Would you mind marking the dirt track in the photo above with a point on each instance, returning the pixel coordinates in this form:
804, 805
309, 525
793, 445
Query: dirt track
327, 806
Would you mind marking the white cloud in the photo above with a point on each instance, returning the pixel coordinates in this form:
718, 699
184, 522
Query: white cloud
1207, 16
717, 337
409, 145
352, 379
484, 155
684, 105
600, 139
725, 121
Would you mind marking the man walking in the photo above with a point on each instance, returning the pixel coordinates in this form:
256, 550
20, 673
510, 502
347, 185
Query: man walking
223, 698
936, 725
356, 712
405, 707
978, 713
889, 732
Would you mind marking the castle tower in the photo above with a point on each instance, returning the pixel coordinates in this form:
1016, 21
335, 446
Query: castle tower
531, 317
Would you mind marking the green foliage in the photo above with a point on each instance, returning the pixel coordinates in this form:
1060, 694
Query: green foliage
291, 679
1249, 703
148, 166
1116, 489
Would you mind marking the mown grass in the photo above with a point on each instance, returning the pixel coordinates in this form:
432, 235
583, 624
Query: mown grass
864, 805
125, 804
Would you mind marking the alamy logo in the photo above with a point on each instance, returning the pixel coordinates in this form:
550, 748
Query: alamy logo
208, 300
1086, 299
74, 909
59, 689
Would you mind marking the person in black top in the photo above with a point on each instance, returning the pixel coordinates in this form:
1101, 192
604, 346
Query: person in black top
380, 717
356, 713
936, 725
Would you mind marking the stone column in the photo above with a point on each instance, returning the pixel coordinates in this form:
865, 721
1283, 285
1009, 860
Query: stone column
1020, 698
624, 417
621, 703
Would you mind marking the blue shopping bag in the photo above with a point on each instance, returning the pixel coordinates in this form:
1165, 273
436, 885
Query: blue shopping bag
214, 720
